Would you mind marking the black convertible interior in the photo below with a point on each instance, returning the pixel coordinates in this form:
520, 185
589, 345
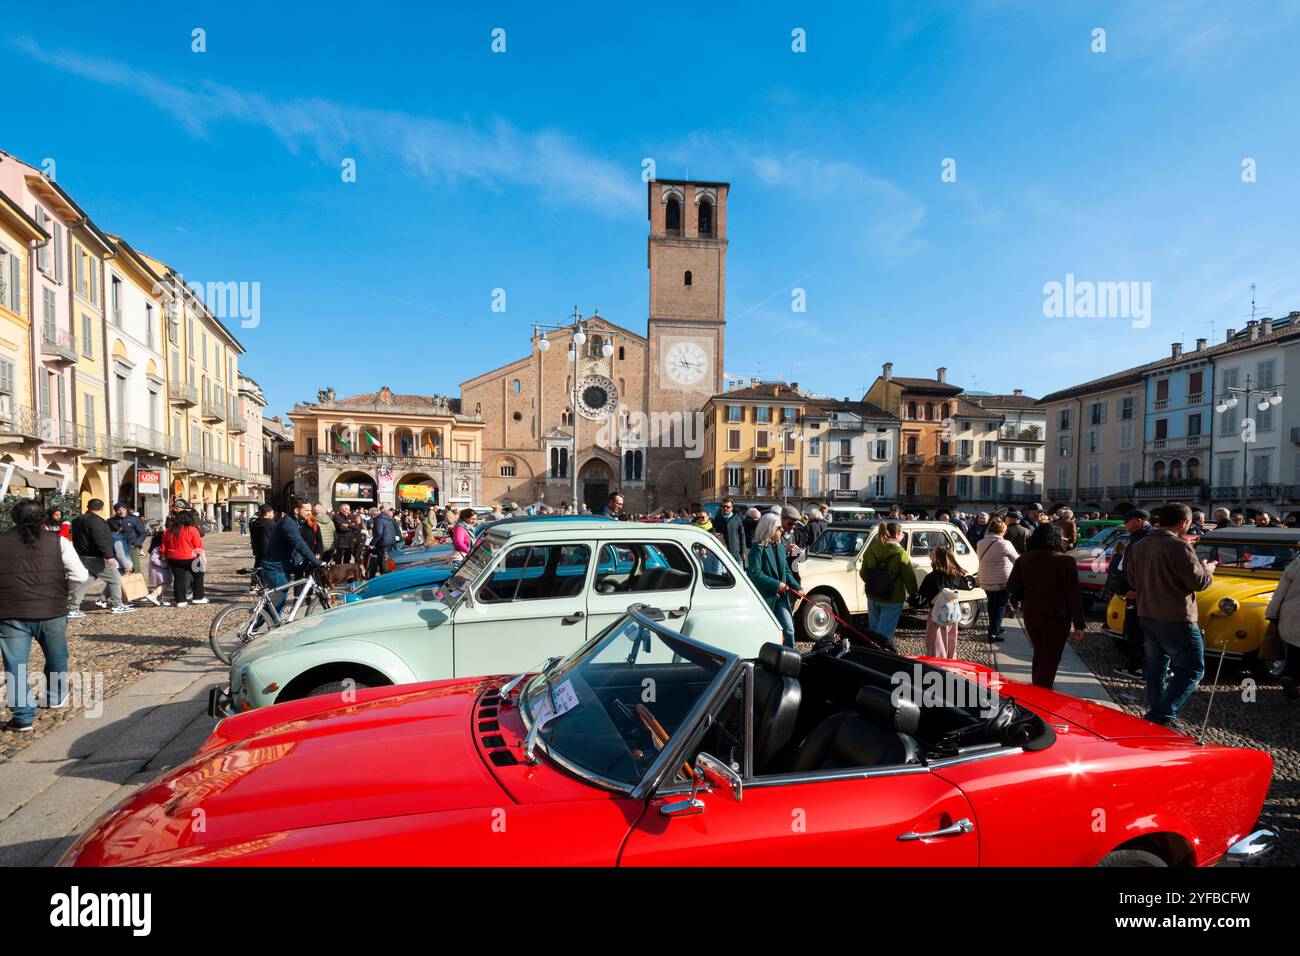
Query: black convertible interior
829, 713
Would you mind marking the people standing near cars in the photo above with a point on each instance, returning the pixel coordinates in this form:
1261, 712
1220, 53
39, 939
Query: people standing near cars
750, 525
286, 549
54, 521
347, 534
259, 532
1283, 616
979, 527
889, 580
1069, 529
1044, 583
997, 557
730, 528
939, 593
34, 607
614, 506
182, 546
1017, 534
325, 525
770, 571
1137, 525
1166, 574
93, 542
462, 532
384, 539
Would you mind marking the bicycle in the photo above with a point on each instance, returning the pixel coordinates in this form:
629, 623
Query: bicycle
237, 624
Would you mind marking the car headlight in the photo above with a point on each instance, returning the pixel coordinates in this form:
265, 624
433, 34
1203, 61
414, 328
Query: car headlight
1228, 606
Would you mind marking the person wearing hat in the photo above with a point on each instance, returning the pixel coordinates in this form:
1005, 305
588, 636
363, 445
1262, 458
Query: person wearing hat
1030, 518
1017, 534
133, 532
1137, 525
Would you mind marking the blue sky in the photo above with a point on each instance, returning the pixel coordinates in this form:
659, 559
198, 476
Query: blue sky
522, 171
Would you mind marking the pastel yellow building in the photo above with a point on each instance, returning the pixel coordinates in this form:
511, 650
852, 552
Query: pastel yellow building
19, 428
753, 445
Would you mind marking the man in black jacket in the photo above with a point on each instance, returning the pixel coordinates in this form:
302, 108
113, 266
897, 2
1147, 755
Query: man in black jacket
259, 532
729, 526
93, 542
1137, 524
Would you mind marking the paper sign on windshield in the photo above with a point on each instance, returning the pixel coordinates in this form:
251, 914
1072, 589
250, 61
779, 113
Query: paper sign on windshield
565, 700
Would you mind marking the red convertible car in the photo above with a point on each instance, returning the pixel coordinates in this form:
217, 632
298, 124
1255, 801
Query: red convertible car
646, 747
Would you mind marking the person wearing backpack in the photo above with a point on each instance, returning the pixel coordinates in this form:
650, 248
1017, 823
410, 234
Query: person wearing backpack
888, 577
938, 592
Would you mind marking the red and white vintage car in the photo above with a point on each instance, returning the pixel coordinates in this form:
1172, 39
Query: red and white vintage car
647, 747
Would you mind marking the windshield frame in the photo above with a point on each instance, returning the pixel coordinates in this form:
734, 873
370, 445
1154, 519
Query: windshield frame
494, 545
667, 758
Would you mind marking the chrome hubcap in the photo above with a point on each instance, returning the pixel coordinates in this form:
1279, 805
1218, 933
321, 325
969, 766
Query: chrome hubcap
818, 621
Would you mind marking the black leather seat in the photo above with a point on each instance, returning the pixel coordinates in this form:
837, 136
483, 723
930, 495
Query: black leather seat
777, 695
878, 733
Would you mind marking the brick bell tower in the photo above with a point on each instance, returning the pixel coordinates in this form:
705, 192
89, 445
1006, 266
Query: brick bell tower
687, 258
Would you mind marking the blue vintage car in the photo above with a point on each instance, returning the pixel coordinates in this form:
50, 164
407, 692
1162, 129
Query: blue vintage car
402, 581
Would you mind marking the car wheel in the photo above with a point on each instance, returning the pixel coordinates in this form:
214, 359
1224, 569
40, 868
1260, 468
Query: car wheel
971, 612
815, 618
1131, 858
337, 687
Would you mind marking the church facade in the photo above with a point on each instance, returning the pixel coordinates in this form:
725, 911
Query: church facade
636, 404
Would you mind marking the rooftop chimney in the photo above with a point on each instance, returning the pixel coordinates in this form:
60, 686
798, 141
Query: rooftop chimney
1017, 391
1200, 344
941, 374
1176, 350
794, 386
1231, 333
888, 371
1266, 327
1252, 329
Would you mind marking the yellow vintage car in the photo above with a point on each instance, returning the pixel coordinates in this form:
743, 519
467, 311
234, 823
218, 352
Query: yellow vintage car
1231, 610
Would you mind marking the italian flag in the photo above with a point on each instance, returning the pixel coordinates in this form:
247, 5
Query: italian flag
374, 442
343, 441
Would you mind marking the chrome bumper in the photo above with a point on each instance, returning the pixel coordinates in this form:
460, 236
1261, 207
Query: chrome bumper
1250, 849
220, 703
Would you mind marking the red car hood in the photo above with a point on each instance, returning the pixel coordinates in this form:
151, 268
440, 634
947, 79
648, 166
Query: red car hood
402, 753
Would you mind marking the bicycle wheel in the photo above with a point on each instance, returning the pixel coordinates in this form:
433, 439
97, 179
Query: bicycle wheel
317, 602
235, 626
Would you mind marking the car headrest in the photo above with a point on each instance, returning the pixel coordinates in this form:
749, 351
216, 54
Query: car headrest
899, 711
780, 660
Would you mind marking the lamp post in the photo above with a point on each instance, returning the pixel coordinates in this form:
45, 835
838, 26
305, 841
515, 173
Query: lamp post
1269, 397
579, 331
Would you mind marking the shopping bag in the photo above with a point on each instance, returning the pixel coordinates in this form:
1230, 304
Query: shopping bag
133, 587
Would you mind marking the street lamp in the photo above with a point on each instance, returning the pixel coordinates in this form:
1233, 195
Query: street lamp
579, 332
1269, 397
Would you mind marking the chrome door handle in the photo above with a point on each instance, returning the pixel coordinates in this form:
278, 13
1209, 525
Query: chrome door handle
680, 612
574, 618
957, 829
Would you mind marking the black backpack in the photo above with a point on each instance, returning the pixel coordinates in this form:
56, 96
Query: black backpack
880, 580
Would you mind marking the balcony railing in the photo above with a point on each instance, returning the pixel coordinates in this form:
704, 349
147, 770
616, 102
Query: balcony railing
57, 344
259, 479
1059, 494
213, 411
62, 434
1093, 491
842, 460
101, 446
1194, 491
138, 438
179, 393
1256, 491
762, 454
19, 421
947, 461
913, 460
1120, 491
235, 420
985, 461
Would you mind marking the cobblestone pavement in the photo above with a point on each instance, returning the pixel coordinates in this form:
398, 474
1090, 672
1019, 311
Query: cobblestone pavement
122, 648
1263, 720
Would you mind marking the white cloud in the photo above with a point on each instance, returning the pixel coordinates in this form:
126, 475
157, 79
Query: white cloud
495, 154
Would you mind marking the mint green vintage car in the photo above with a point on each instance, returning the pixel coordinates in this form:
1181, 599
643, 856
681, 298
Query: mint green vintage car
526, 592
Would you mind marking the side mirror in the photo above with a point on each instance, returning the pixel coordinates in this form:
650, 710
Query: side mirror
719, 775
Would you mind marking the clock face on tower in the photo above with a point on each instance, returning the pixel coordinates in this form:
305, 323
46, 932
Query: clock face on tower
686, 363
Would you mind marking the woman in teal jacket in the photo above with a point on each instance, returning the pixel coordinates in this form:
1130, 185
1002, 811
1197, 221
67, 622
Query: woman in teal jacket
771, 574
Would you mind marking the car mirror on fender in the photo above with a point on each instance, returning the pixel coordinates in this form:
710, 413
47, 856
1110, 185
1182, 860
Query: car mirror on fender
710, 773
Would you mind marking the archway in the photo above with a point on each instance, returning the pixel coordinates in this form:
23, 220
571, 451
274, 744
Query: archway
417, 491
355, 488
594, 480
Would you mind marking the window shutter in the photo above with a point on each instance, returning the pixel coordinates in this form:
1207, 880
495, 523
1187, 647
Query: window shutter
15, 284
58, 252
